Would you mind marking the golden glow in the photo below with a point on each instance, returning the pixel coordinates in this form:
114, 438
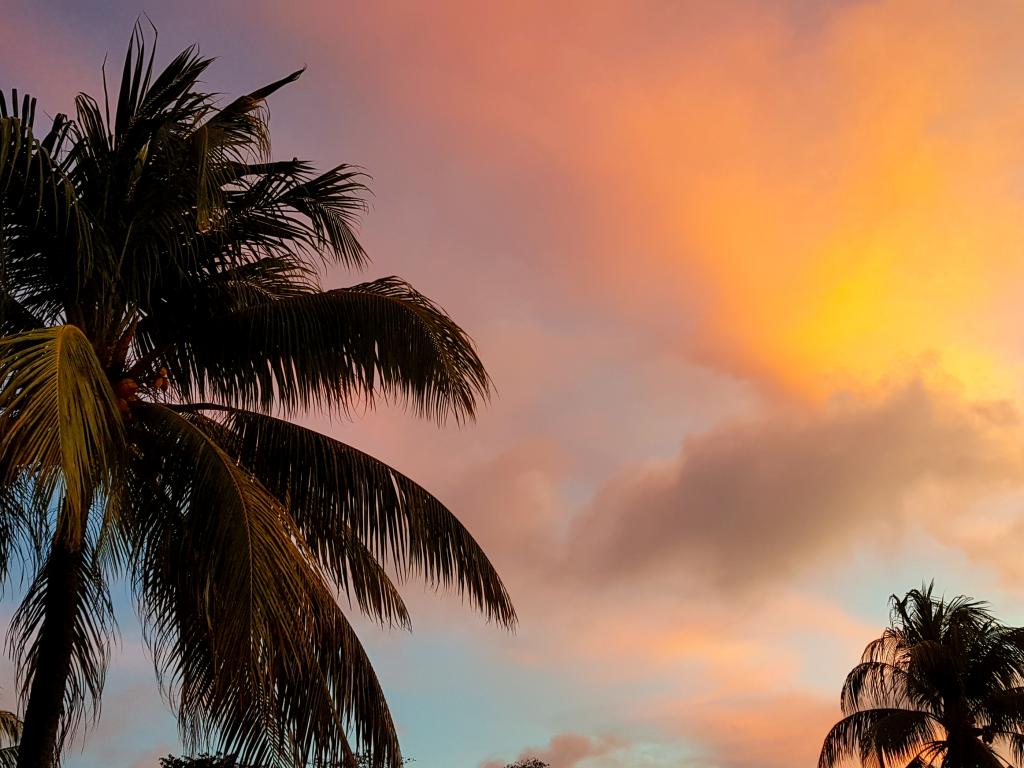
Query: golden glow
851, 213
830, 199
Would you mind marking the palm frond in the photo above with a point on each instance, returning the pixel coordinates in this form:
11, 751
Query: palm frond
878, 737
930, 755
85, 621
997, 661
874, 684
334, 490
42, 223
59, 421
144, 104
1002, 710
339, 552
31, 181
241, 123
331, 203
25, 527
335, 348
976, 753
1014, 744
10, 729
246, 634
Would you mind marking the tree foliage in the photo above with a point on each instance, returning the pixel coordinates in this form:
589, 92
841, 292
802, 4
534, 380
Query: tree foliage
10, 733
362, 760
162, 315
942, 686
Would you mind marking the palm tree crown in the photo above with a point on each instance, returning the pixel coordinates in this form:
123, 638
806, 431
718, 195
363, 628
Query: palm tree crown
942, 686
161, 317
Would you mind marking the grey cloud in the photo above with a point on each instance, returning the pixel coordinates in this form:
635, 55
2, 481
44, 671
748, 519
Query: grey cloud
565, 750
756, 501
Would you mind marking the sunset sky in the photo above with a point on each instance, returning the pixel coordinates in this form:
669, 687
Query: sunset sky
749, 279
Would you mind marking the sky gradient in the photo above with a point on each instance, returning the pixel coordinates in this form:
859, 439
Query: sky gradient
748, 279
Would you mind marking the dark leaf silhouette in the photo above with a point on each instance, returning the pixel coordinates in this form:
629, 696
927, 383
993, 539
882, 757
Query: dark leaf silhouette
942, 686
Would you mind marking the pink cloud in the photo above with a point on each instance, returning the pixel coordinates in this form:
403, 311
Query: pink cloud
565, 750
760, 731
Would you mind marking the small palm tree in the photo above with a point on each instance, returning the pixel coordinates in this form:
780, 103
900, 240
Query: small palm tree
161, 315
942, 686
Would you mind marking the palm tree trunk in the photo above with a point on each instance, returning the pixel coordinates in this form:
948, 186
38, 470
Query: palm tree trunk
52, 665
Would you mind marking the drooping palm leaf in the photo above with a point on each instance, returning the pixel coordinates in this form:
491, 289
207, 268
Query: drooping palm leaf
10, 728
248, 637
879, 683
336, 348
42, 220
88, 631
334, 490
60, 422
877, 737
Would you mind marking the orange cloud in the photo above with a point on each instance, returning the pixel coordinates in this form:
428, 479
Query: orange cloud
811, 199
878, 218
774, 731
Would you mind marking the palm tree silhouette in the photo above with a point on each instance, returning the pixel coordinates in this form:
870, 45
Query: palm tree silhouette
942, 686
161, 315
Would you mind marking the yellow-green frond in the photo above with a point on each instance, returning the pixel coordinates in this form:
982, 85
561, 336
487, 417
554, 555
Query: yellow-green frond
59, 420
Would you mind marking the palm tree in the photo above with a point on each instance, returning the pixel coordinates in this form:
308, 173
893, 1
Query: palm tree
942, 686
161, 317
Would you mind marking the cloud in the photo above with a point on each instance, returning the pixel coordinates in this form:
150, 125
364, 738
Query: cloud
759, 731
566, 750
765, 684
802, 197
757, 501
